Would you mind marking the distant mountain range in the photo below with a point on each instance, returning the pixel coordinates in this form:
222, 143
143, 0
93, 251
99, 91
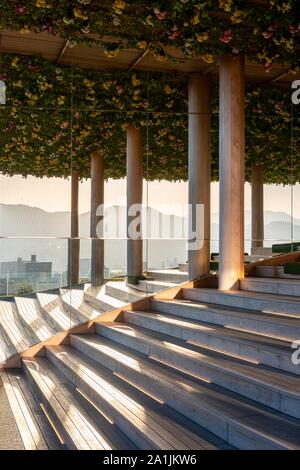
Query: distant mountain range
24, 221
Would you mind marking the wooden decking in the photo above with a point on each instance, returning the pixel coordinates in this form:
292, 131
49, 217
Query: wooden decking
186, 369
26, 322
35, 429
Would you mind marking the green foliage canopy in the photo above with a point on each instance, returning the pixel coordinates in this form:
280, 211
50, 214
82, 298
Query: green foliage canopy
56, 116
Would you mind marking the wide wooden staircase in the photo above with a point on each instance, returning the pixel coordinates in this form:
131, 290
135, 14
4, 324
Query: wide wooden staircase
188, 368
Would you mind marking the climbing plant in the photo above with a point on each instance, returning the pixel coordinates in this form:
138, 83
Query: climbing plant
267, 31
56, 116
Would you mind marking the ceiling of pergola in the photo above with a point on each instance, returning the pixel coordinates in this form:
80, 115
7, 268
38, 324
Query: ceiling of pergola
56, 49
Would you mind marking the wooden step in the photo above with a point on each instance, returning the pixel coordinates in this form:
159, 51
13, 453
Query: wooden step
247, 346
268, 303
52, 308
17, 337
76, 428
273, 272
168, 275
120, 291
32, 317
239, 423
97, 298
35, 430
75, 305
262, 251
7, 350
151, 287
271, 286
183, 267
287, 328
280, 391
131, 412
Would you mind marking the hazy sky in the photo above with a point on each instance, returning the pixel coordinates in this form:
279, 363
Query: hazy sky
54, 194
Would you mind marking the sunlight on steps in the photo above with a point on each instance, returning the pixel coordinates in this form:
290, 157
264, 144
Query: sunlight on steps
195, 372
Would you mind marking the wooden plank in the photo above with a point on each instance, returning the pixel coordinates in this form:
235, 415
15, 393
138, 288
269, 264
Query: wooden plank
13, 328
30, 419
26, 435
31, 315
6, 348
95, 431
68, 413
114, 401
51, 306
135, 413
38, 414
30, 345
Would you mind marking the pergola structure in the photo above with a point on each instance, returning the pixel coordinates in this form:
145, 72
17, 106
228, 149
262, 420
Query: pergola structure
166, 47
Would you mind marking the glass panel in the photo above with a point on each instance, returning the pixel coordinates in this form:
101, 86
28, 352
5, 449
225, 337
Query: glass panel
167, 188
268, 141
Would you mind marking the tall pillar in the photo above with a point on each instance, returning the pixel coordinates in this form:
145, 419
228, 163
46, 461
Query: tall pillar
232, 169
134, 198
199, 174
74, 243
257, 207
97, 199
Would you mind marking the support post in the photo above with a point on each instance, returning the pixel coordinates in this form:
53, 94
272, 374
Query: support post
134, 201
199, 174
257, 207
232, 169
74, 242
97, 200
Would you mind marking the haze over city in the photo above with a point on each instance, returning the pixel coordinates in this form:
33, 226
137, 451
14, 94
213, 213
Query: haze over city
164, 196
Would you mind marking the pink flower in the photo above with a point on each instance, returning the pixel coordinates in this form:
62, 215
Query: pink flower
64, 125
48, 28
20, 9
34, 67
294, 29
120, 89
174, 35
143, 104
160, 15
268, 34
268, 66
77, 115
227, 36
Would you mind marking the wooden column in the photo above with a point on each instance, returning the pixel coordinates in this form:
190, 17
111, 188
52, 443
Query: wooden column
257, 207
199, 174
97, 200
74, 243
232, 163
134, 197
